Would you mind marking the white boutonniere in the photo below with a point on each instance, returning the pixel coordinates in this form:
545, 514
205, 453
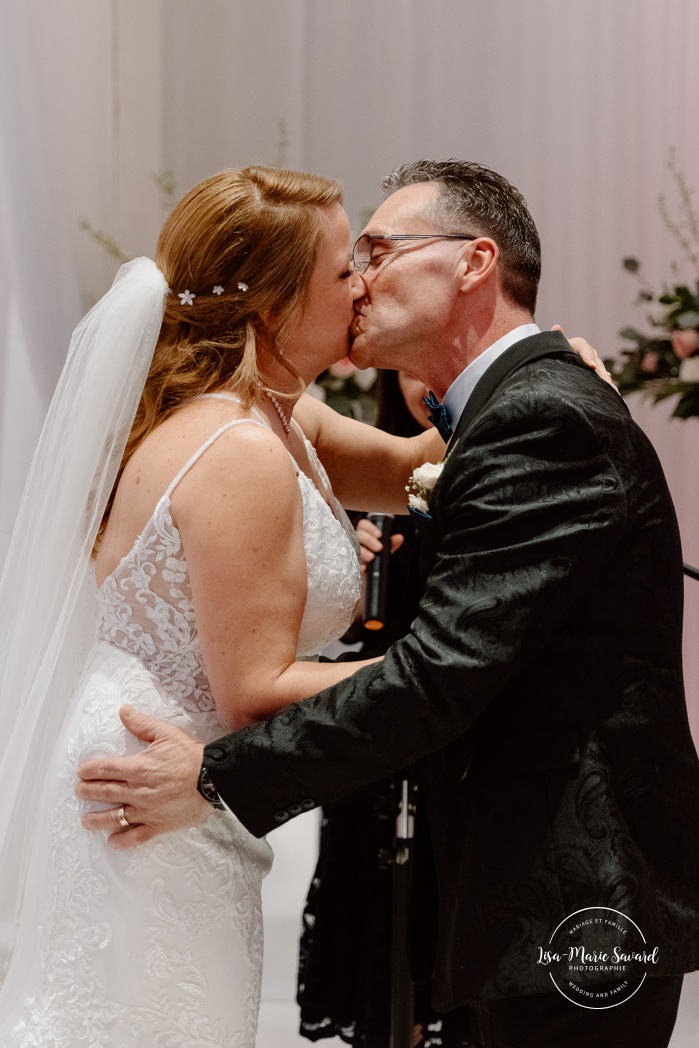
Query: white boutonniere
421, 485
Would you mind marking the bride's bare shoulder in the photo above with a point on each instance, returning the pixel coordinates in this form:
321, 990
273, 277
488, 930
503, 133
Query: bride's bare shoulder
242, 456
172, 443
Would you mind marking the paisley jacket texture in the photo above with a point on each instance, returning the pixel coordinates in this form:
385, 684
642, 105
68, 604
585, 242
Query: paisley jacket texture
540, 689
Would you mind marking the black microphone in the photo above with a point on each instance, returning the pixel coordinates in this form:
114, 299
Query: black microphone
377, 575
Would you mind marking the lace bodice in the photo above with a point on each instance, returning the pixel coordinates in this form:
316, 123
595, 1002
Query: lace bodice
162, 945
145, 605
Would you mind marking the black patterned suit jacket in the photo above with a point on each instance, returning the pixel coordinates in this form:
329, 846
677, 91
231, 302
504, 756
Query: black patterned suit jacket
540, 689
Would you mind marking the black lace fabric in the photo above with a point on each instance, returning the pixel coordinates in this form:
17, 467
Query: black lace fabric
345, 953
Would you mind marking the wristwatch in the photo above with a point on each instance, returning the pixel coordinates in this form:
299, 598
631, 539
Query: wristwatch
208, 790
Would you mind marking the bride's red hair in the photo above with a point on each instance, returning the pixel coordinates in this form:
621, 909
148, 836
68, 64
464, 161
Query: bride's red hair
255, 234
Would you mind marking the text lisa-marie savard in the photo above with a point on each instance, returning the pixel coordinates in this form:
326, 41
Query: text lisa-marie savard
582, 956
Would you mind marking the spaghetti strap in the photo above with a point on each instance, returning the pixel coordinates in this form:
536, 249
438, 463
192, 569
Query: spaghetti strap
219, 396
235, 400
207, 444
320, 483
263, 421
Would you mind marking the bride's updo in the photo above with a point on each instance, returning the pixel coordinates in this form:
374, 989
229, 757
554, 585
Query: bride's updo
244, 245
237, 253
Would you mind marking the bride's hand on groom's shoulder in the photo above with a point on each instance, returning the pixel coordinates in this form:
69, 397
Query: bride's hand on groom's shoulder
589, 355
155, 791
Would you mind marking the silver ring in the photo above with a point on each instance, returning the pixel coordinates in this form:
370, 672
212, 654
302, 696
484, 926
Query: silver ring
121, 818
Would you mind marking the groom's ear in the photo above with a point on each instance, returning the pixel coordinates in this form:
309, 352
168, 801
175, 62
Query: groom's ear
479, 262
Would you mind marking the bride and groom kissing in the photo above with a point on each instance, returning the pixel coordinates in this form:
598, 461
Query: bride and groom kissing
538, 691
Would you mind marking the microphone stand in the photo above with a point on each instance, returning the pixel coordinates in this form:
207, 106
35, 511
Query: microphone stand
402, 988
403, 791
692, 573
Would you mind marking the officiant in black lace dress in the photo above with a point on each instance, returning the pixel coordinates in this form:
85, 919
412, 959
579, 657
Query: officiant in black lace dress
344, 987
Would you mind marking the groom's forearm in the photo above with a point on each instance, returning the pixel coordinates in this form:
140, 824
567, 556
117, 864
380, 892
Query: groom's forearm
311, 753
482, 620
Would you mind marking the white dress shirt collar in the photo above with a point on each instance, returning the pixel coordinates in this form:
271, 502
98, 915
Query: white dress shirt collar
456, 397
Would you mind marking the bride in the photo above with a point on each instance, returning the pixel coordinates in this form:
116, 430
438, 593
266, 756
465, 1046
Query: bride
178, 548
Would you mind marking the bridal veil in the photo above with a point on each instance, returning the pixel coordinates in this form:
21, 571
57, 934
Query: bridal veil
47, 617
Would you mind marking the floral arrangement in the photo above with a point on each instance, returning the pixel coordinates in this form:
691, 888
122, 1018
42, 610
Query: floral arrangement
348, 390
666, 363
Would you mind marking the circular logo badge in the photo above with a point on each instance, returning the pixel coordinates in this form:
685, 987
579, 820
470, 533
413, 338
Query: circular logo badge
598, 957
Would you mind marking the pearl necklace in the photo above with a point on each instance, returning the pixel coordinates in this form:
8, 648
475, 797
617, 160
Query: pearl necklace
280, 411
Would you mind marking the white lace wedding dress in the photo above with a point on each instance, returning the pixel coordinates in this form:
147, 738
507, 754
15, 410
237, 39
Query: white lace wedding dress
160, 947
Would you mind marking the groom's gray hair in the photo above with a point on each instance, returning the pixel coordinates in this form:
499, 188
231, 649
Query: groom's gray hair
474, 199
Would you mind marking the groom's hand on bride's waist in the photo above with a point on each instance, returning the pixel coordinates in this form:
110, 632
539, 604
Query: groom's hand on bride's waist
153, 792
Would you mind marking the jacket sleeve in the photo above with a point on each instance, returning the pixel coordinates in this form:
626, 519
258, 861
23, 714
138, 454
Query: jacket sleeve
530, 509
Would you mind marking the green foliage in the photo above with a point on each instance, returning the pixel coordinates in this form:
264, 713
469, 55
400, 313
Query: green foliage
165, 181
666, 364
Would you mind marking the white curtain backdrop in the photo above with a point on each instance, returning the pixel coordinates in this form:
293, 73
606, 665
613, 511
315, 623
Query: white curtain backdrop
578, 104
39, 300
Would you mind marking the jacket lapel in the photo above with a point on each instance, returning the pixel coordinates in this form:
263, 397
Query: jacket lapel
544, 344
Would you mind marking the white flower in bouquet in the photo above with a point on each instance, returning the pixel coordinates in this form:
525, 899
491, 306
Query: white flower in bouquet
366, 378
348, 390
689, 370
343, 369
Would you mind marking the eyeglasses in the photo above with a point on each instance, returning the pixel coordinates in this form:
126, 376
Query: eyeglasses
363, 250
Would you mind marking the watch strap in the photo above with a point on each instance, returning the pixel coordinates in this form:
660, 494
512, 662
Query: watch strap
208, 790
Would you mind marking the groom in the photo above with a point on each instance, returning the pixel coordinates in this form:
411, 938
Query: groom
540, 688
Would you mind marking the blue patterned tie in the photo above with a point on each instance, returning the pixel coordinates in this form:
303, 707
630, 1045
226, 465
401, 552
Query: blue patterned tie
438, 416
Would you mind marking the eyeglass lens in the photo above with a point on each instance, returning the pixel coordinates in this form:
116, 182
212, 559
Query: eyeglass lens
361, 254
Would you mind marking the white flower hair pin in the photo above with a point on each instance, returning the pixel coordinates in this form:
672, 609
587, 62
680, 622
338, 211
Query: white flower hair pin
421, 485
187, 297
